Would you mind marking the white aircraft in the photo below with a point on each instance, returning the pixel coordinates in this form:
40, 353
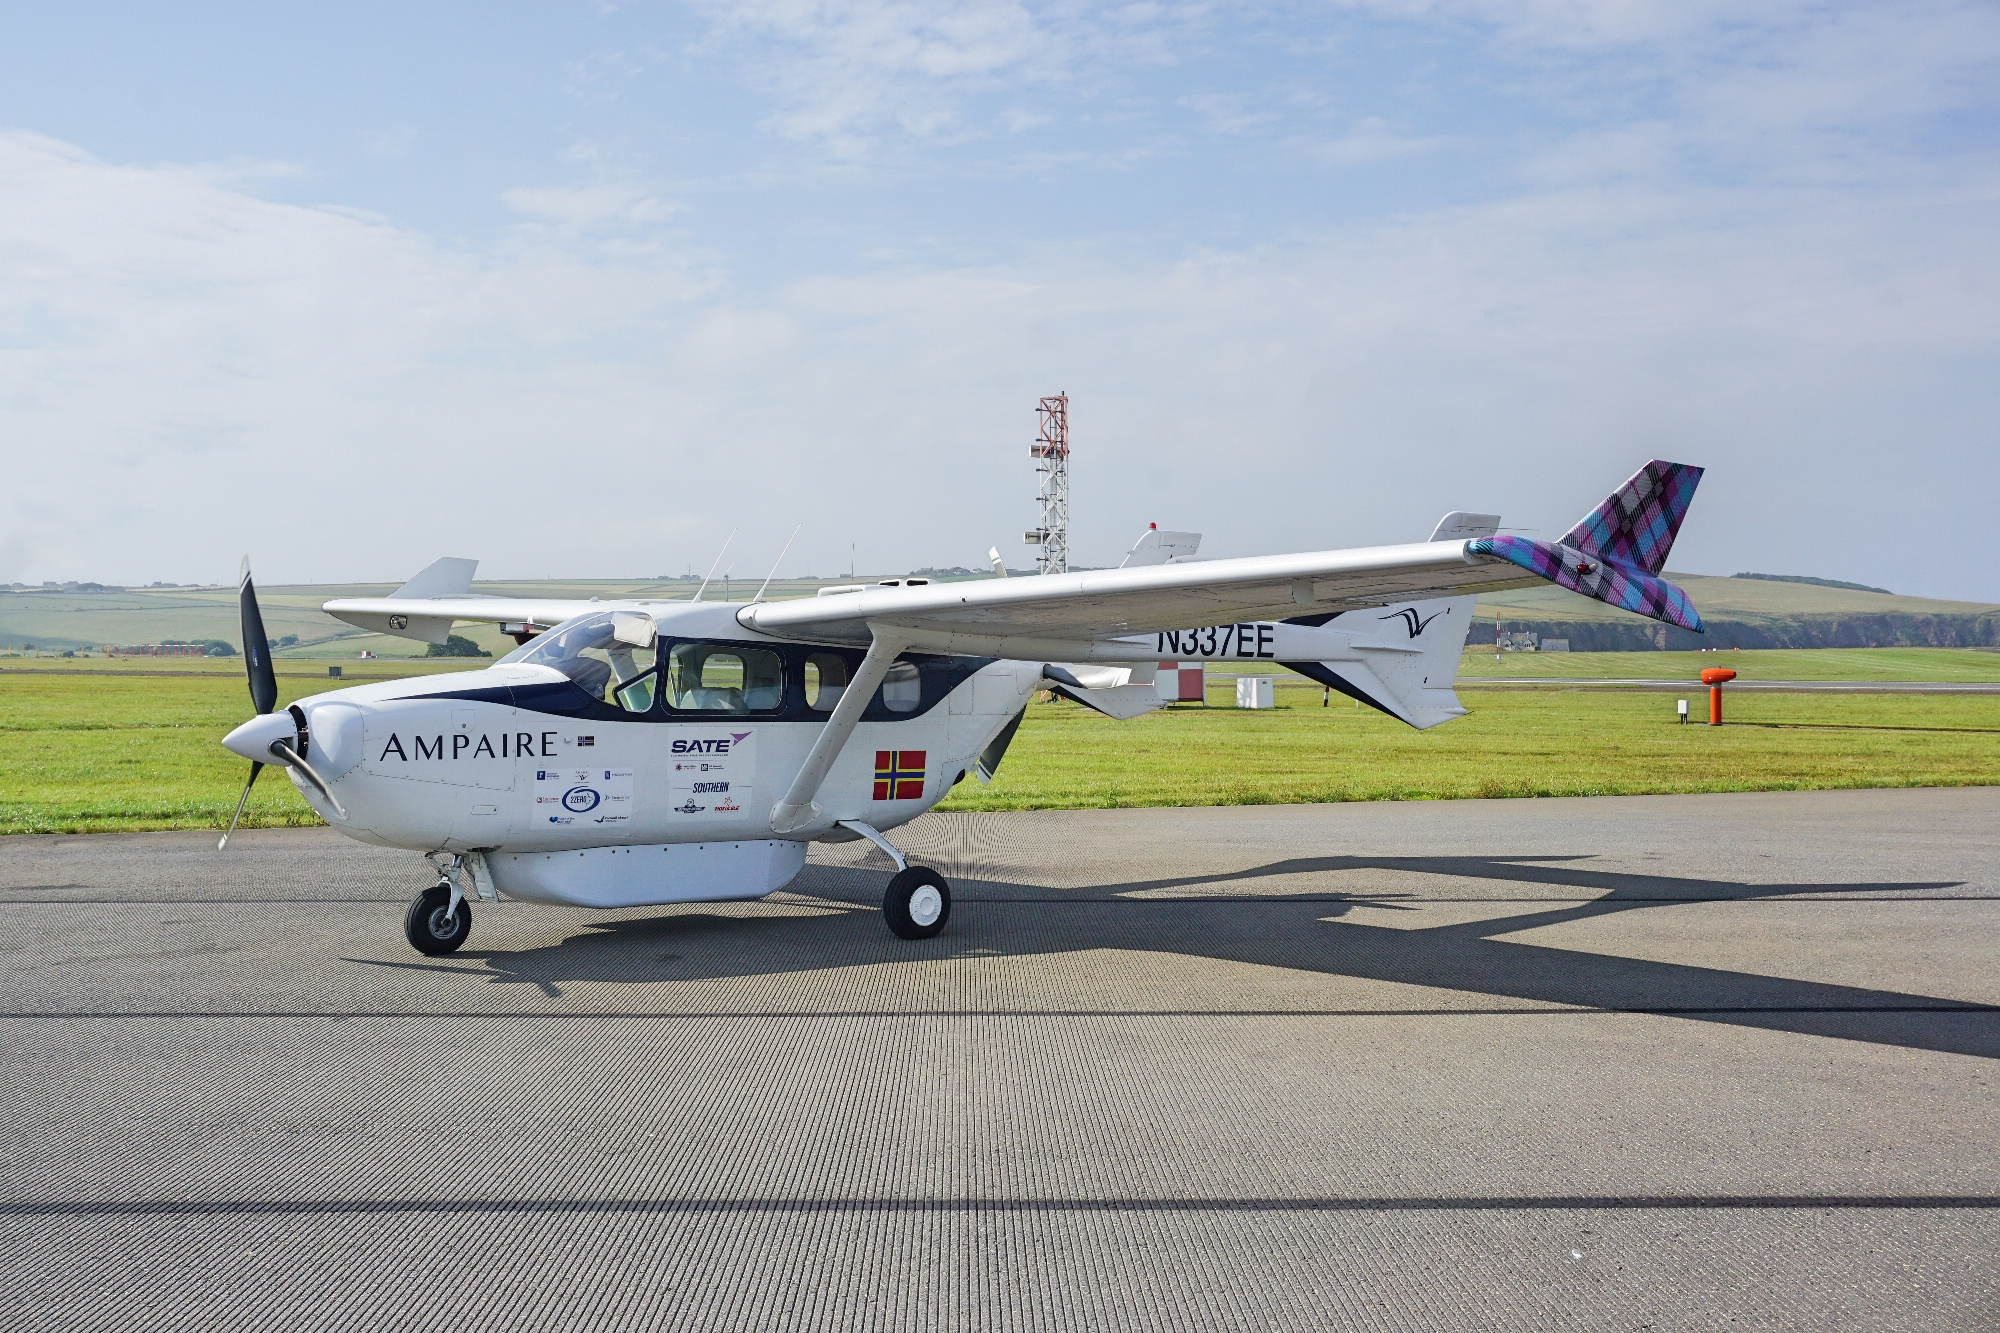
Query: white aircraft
641, 752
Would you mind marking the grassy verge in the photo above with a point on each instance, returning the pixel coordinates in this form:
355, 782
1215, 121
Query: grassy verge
92, 753
1552, 742
1926, 664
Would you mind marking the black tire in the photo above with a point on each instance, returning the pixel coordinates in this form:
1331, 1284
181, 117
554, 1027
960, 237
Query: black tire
430, 930
917, 904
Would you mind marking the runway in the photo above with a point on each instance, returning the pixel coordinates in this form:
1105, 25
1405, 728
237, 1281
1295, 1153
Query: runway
1614, 1063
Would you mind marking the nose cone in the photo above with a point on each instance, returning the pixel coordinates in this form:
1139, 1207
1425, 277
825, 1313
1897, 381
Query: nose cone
253, 739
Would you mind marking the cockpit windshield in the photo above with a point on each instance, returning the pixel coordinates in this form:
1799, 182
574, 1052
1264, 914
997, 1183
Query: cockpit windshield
603, 667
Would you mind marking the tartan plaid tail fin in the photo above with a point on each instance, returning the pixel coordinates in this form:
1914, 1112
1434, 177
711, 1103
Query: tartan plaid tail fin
1637, 525
1617, 552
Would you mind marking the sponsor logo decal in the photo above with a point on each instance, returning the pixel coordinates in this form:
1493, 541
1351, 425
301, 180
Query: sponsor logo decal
899, 775
603, 794
711, 773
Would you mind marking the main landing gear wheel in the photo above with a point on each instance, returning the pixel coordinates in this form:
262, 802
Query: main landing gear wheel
430, 930
918, 903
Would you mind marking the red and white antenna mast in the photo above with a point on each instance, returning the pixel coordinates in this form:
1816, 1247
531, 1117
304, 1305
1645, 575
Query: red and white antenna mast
1051, 453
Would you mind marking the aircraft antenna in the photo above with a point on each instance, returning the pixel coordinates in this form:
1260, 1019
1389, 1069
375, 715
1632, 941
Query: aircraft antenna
1051, 452
775, 563
711, 569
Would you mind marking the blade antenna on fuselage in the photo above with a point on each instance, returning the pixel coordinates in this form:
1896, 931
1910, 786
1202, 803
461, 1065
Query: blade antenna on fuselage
775, 563
711, 569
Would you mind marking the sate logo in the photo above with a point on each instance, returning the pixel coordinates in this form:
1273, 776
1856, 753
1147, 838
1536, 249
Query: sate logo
899, 775
1408, 615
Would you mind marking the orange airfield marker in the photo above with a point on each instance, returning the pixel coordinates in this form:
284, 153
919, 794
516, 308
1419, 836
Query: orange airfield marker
1713, 678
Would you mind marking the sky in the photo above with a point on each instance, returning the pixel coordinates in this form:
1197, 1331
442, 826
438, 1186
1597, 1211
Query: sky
580, 290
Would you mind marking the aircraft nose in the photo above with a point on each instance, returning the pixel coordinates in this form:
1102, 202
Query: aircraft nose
253, 739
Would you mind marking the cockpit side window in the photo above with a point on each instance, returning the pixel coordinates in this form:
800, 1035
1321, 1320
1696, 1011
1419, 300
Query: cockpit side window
602, 667
724, 678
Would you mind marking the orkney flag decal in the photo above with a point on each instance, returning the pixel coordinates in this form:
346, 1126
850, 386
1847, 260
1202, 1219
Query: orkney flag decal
899, 775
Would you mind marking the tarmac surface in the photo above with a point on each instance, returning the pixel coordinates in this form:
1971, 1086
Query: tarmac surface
1616, 1063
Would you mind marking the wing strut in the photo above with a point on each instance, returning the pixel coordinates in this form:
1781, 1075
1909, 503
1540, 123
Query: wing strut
796, 813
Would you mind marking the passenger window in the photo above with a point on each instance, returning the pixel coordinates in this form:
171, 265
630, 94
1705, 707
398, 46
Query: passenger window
902, 688
724, 678
826, 678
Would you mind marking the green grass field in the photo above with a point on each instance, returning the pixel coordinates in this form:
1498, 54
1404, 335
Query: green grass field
93, 752
1927, 664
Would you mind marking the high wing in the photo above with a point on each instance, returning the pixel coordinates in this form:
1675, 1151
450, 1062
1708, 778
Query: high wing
440, 594
975, 618
429, 619
1614, 554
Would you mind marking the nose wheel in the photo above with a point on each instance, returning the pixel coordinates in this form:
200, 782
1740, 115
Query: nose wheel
433, 924
917, 904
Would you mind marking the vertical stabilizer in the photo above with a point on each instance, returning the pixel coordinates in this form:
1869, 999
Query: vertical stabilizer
1161, 548
1637, 525
449, 577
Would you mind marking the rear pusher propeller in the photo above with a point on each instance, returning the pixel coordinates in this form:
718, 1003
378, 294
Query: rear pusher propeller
288, 751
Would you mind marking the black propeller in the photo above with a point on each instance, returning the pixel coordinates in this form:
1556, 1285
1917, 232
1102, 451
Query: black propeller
263, 677
256, 647
287, 750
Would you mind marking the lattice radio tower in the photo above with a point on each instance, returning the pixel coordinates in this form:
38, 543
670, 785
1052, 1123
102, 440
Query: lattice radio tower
1051, 453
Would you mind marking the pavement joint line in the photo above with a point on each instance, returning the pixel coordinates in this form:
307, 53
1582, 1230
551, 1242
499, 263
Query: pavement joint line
632, 1015
1361, 1204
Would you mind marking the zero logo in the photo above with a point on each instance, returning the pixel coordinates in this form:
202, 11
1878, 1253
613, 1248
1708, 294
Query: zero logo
580, 799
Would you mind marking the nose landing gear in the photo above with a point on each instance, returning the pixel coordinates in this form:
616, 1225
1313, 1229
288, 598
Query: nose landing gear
434, 923
917, 904
439, 918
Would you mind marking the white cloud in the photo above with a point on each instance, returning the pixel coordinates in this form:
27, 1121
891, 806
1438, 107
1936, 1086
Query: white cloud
1770, 262
844, 69
1370, 140
585, 207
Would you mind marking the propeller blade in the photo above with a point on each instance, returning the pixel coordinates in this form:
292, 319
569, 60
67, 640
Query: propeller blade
255, 769
256, 648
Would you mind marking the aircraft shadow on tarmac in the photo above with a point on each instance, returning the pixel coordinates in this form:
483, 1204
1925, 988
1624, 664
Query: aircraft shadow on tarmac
1310, 932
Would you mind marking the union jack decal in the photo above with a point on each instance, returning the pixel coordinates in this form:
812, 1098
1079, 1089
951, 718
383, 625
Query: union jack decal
899, 775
